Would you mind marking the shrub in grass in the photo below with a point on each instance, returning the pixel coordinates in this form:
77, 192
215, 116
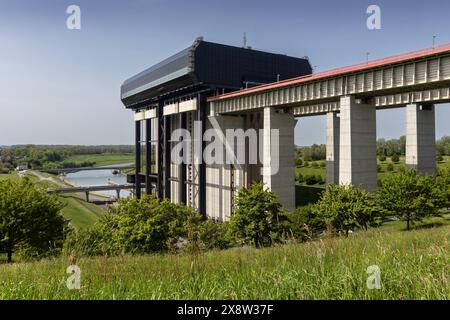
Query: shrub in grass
379, 168
310, 179
395, 158
314, 164
299, 178
258, 216
215, 235
304, 223
137, 226
322, 164
298, 162
346, 208
409, 196
390, 167
382, 158
439, 158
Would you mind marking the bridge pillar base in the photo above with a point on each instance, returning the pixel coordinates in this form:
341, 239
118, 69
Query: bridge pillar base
421, 138
332, 157
278, 159
357, 151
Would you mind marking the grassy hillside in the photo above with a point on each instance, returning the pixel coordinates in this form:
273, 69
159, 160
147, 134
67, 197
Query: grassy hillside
80, 213
414, 265
103, 159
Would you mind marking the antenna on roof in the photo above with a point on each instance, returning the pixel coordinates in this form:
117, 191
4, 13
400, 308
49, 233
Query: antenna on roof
434, 42
245, 40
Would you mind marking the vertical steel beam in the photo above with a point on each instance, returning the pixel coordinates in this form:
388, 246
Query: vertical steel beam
138, 159
167, 160
160, 152
148, 156
183, 174
201, 116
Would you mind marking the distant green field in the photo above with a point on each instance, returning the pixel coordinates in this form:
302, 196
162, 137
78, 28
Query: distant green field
322, 171
103, 159
413, 266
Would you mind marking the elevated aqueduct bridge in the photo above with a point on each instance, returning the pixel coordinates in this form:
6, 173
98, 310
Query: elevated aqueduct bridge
349, 97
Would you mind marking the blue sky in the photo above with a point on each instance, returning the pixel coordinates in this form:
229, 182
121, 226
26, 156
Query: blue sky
62, 87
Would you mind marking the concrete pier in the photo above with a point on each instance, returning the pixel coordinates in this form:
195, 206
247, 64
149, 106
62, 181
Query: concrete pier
278, 159
357, 154
333, 137
421, 138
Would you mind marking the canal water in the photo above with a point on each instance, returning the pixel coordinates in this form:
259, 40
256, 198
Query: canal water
99, 178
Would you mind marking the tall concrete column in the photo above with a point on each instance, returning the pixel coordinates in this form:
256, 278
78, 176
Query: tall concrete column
333, 123
357, 152
278, 155
421, 138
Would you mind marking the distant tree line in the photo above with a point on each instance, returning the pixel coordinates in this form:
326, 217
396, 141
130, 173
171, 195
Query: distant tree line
38, 156
385, 148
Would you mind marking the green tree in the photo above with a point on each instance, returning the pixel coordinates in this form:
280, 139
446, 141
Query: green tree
395, 158
409, 196
298, 162
258, 216
347, 207
443, 185
30, 219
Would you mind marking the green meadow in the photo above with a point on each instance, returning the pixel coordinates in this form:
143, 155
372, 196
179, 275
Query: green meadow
413, 265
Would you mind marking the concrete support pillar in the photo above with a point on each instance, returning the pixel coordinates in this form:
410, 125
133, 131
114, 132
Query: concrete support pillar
421, 138
357, 151
225, 175
333, 127
278, 155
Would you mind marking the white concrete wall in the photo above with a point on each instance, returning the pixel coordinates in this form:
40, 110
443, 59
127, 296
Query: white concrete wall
332, 157
357, 154
220, 177
421, 138
279, 154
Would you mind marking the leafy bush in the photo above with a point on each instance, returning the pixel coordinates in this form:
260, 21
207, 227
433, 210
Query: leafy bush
310, 179
395, 158
30, 220
298, 162
379, 168
299, 178
258, 216
382, 158
410, 196
304, 223
137, 226
346, 207
439, 158
390, 167
216, 235
315, 164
